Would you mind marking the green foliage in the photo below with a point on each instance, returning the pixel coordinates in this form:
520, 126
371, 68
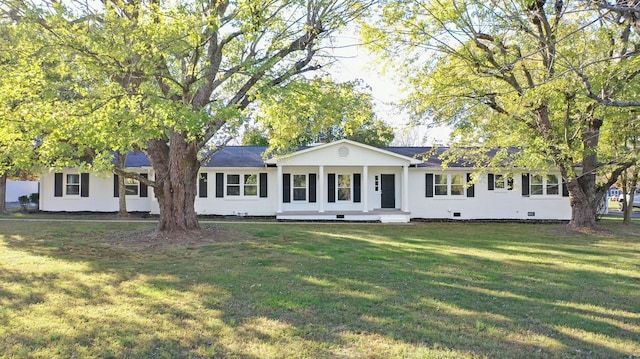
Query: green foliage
305, 112
514, 74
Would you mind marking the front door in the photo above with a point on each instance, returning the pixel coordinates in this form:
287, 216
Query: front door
388, 191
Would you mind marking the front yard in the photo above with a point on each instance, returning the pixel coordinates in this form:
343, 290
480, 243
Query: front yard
441, 290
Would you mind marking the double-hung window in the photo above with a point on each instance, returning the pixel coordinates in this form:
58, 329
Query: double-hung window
457, 185
251, 185
440, 186
233, 185
131, 187
300, 187
344, 187
73, 184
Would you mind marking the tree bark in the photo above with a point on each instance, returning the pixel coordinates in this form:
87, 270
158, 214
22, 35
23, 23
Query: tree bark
3, 193
176, 170
122, 190
582, 188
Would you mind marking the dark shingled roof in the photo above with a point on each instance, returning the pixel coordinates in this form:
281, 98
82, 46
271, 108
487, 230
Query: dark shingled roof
238, 156
251, 156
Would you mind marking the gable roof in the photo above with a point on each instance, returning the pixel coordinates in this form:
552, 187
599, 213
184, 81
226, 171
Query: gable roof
341, 143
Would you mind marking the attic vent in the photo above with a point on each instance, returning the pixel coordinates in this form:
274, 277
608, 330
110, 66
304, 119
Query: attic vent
343, 151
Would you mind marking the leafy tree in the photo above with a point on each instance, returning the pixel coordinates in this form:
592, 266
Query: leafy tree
504, 74
178, 74
319, 109
255, 137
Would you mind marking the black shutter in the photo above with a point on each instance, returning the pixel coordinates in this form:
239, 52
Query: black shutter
263, 185
429, 185
510, 183
490, 181
525, 184
565, 189
144, 189
286, 188
471, 190
331, 187
57, 184
357, 192
116, 186
202, 185
312, 188
84, 185
219, 185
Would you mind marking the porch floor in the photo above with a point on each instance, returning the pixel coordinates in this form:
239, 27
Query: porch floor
382, 215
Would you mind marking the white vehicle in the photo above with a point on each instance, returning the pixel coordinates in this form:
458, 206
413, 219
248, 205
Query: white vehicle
636, 200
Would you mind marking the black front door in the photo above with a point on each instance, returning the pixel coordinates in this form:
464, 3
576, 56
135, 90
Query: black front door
388, 191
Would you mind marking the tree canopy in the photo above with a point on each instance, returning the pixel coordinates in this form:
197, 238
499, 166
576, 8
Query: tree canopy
173, 79
512, 75
319, 109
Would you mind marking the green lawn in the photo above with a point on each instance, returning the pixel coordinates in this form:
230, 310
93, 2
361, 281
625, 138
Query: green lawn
441, 290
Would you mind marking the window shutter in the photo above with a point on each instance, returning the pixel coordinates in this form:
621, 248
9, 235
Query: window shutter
84, 185
429, 185
144, 189
357, 191
202, 185
116, 186
509, 183
565, 189
57, 184
525, 184
331, 186
490, 181
286, 188
471, 190
312, 188
263, 185
219, 185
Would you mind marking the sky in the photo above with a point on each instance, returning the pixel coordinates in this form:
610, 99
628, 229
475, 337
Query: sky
355, 62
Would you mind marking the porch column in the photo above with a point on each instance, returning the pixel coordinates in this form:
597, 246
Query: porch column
279, 182
405, 188
365, 188
321, 194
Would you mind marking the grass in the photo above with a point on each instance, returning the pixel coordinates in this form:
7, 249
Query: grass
436, 290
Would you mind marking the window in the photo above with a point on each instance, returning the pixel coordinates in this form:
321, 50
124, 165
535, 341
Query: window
73, 184
344, 187
552, 184
544, 185
457, 185
233, 185
440, 185
299, 187
499, 182
250, 185
131, 187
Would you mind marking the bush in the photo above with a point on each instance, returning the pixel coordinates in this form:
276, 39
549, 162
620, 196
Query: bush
34, 198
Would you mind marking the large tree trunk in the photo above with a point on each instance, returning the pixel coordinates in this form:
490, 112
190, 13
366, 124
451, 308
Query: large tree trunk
176, 169
3, 193
582, 188
122, 190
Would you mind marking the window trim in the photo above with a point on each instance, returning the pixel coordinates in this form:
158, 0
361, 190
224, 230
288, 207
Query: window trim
448, 185
76, 184
241, 186
294, 187
545, 185
350, 188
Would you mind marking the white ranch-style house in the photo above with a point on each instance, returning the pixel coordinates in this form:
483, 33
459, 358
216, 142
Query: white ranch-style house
342, 180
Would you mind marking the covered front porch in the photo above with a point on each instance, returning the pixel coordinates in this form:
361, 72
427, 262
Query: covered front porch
343, 181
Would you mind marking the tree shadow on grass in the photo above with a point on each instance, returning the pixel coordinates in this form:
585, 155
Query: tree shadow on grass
358, 292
